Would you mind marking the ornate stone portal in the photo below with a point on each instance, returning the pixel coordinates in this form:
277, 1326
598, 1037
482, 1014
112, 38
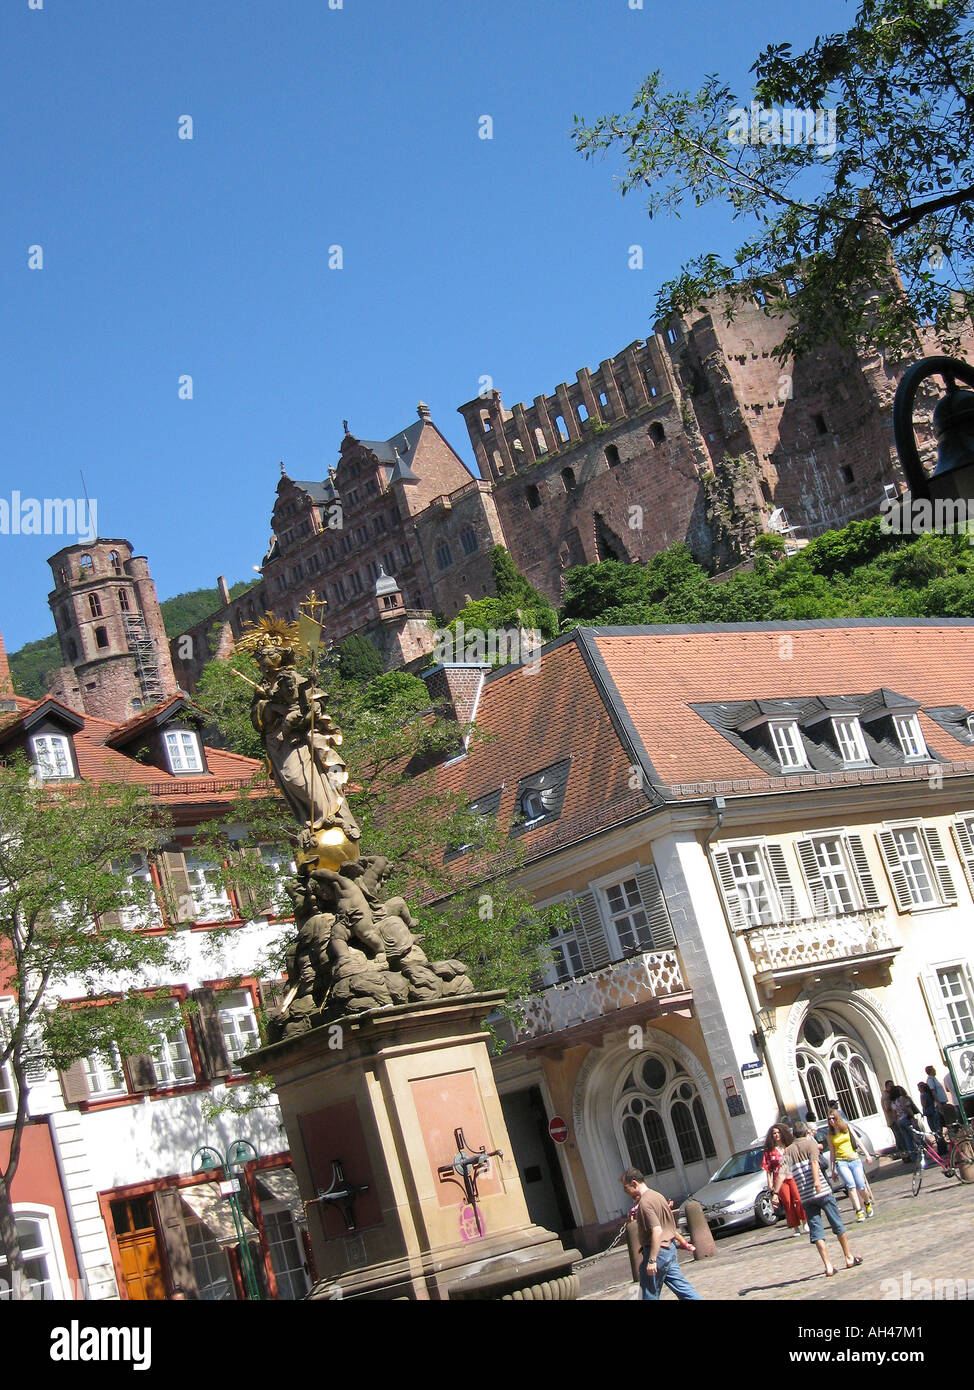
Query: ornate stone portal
378, 1054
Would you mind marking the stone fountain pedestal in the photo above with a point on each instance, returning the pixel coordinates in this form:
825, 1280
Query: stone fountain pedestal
381, 1094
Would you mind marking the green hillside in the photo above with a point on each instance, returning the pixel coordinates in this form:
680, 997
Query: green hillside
31, 664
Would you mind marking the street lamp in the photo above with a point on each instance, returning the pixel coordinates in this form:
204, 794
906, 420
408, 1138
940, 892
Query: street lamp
239, 1152
953, 425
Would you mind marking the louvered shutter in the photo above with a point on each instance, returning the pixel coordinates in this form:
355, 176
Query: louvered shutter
894, 869
209, 1034
176, 893
141, 1072
74, 1083
813, 877
728, 889
937, 1006
252, 901
867, 884
591, 933
169, 1210
786, 893
651, 892
948, 894
965, 847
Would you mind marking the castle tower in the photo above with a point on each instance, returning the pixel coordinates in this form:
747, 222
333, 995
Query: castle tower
109, 624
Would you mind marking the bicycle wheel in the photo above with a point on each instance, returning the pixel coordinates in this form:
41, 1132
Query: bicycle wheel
962, 1160
918, 1175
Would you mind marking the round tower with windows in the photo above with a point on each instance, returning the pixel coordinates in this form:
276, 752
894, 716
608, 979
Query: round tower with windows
109, 624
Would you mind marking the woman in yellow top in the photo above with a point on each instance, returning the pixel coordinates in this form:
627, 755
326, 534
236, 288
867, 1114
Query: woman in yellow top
848, 1165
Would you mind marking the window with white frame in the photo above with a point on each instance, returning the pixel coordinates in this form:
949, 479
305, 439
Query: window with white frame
833, 891
907, 857
41, 1251
8, 1087
183, 751
170, 1052
210, 897
286, 1252
279, 865
52, 757
210, 1268
849, 740
787, 742
566, 955
104, 1073
140, 909
956, 990
912, 743
752, 884
628, 916
238, 1019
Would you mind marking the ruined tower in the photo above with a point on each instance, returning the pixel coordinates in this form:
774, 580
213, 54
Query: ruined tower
109, 625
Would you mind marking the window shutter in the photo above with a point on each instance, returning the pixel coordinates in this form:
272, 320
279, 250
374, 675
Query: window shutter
651, 892
272, 995
141, 1072
936, 1004
948, 893
177, 897
786, 894
74, 1083
591, 933
251, 901
728, 889
867, 884
813, 877
965, 847
208, 1032
894, 869
169, 1211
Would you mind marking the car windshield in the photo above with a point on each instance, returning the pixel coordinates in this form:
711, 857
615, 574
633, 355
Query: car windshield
739, 1165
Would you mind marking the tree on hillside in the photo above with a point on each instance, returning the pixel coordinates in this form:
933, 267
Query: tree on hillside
58, 892
358, 659
518, 607
858, 146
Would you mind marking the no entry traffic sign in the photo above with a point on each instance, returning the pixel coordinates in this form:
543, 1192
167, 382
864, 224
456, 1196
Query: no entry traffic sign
558, 1129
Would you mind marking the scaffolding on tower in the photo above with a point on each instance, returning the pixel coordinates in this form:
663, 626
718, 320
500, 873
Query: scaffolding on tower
146, 661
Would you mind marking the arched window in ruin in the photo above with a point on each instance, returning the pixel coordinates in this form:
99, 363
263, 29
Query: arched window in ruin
612, 455
94, 603
123, 600
562, 428
568, 478
101, 637
656, 432
533, 495
115, 562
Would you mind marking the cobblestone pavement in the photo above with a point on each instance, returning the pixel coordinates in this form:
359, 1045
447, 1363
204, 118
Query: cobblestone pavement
908, 1240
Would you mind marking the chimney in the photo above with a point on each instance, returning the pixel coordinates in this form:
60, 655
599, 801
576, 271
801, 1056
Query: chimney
6, 681
221, 584
456, 685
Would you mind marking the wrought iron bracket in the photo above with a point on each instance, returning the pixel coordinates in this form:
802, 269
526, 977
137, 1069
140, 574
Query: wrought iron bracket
343, 1191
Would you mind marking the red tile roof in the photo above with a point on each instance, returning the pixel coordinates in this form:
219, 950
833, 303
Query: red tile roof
658, 673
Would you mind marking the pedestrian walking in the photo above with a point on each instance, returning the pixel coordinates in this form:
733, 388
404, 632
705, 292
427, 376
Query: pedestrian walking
931, 1113
658, 1238
889, 1115
848, 1164
904, 1110
800, 1161
778, 1138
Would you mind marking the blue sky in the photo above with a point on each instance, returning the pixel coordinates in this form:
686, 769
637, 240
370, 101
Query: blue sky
312, 127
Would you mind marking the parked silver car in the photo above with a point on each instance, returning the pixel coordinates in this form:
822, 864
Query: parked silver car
737, 1194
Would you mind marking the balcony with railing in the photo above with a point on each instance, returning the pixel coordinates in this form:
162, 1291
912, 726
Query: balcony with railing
811, 945
634, 990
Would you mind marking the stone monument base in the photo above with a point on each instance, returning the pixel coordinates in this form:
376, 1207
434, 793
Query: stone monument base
372, 1103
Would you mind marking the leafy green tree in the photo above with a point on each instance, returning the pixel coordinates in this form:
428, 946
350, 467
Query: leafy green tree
517, 607
358, 659
887, 165
57, 884
226, 698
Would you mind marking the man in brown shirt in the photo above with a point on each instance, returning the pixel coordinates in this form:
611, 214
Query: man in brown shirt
657, 1240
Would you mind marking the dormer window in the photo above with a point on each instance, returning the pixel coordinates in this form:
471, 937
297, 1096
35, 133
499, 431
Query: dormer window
786, 740
183, 751
539, 799
533, 806
849, 740
912, 743
52, 757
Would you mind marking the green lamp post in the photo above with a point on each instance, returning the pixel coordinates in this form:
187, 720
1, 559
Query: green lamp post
239, 1152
